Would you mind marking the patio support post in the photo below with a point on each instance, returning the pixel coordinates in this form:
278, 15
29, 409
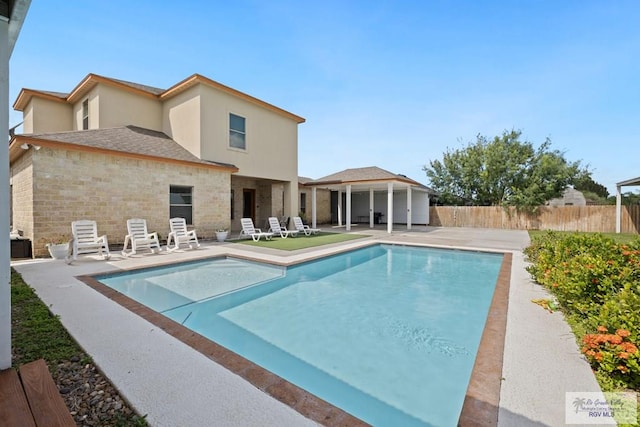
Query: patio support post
348, 214
409, 208
371, 208
389, 207
339, 208
5, 252
618, 208
314, 214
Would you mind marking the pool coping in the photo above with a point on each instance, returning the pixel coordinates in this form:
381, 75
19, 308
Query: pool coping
481, 404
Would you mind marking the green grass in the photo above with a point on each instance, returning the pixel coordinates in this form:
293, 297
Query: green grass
302, 241
36, 333
618, 237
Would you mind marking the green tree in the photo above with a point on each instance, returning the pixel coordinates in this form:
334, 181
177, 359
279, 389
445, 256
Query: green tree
503, 171
626, 199
585, 183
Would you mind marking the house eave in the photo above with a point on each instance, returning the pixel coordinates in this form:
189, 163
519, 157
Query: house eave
200, 79
16, 151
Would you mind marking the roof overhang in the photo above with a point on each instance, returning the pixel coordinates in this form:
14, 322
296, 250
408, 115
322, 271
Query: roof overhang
200, 79
629, 182
16, 14
366, 185
20, 143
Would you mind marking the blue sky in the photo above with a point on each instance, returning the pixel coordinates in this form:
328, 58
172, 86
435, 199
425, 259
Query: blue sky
392, 84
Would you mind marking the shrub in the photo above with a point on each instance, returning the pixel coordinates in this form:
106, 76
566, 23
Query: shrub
596, 282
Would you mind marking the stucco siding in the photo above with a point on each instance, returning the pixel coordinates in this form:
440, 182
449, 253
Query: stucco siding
121, 108
181, 120
42, 116
271, 139
61, 179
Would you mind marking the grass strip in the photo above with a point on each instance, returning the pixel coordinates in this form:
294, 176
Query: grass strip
302, 241
36, 333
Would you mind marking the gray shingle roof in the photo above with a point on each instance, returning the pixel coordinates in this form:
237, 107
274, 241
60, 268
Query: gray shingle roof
128, 139
150, 89
370, 173
61, 95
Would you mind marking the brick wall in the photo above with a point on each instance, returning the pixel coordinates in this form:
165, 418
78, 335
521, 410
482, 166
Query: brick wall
71, 185
323, 206
22, 194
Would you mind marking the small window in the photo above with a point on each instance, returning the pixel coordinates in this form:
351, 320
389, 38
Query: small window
181, 203
85, 114
303, 203
237, 133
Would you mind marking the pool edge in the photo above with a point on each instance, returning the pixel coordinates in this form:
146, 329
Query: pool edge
482, 398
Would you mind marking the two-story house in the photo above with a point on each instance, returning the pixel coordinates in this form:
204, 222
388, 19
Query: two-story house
110, 150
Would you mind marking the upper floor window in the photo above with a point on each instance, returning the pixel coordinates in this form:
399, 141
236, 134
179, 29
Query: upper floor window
237, 132
85, 114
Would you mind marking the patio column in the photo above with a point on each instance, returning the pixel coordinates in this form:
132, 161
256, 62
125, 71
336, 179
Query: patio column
618, 208
409, 208
389, 207
290, 196
339, 208
313, 208
371, 208
5, 251
348, 214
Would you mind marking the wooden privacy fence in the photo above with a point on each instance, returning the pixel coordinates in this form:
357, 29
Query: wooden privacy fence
561, 218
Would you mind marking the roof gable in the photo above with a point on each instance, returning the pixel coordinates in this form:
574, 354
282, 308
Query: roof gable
91, 80
365, 174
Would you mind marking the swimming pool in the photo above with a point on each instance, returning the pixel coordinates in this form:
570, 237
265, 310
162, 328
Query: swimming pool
388, 333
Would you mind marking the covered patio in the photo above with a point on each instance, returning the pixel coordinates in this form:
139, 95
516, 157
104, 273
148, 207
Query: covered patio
628, 183
373, 195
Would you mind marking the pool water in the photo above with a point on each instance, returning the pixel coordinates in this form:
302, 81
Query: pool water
387, 333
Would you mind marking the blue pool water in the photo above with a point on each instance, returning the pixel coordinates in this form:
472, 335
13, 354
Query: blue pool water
387, 333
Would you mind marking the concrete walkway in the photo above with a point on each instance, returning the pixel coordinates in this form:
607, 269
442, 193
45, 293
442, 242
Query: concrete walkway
178, 386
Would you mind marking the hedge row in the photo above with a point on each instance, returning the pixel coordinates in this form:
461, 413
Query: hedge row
596, 281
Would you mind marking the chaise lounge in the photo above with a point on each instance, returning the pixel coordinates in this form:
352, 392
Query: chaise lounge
275, 228
249, 230
301, 227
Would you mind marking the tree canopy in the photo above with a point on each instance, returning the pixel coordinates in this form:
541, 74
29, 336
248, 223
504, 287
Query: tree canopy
503, 171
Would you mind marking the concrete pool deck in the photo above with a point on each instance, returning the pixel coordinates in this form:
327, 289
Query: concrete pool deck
163, 377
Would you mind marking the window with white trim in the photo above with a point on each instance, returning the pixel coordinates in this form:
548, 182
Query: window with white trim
237, 132
85, 114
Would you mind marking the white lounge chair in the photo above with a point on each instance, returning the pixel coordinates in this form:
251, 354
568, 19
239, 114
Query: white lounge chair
274, 227
301, 227
86, 241
250, 231
180, 235
139, 237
